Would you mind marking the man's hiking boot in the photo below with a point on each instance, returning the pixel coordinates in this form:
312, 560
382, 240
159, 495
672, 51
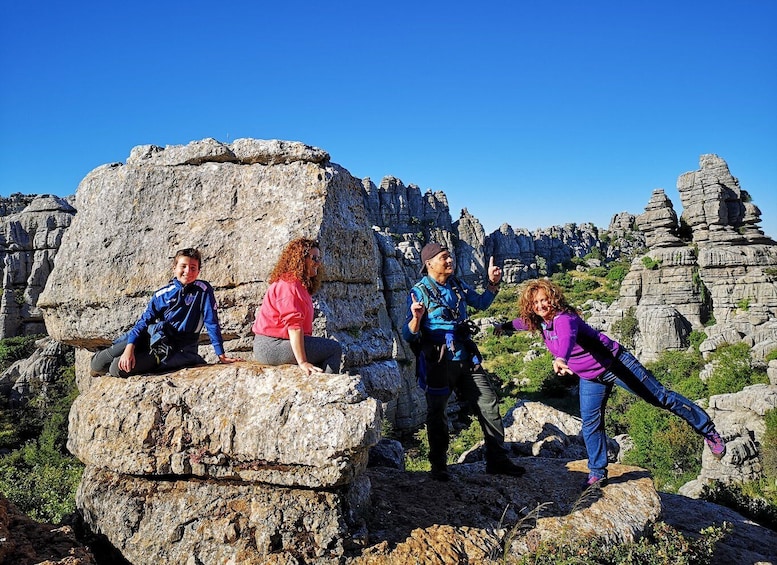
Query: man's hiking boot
504, 467
440, 473
716, 444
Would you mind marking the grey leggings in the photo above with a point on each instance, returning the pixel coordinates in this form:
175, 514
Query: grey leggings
322, 352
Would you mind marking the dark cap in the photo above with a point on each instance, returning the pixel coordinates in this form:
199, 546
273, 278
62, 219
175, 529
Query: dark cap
430, 251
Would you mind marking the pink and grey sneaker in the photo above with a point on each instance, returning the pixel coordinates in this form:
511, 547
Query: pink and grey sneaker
716, 444
594, 482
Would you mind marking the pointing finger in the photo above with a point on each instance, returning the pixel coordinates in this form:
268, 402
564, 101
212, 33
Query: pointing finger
491, 263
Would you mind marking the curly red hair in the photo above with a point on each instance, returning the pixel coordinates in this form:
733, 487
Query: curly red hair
291, 264
526, 301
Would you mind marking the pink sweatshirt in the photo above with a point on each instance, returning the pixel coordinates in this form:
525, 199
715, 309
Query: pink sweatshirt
286, 305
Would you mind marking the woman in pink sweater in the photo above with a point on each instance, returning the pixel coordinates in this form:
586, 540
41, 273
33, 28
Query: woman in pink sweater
283, 326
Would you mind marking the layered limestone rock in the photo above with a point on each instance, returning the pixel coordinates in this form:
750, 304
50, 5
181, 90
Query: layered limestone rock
31, 230
659, 222
225, 462
716, 208
740, 419
27, 377
242, 421
411, 219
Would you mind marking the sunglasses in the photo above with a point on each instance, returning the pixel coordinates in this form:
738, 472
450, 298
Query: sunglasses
315, 258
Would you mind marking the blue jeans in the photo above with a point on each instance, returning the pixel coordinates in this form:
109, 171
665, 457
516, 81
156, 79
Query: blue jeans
628, 373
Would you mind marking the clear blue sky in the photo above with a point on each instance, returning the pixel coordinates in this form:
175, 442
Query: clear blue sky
530, 113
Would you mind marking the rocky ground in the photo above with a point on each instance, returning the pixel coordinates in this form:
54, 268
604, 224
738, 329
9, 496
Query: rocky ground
414, 519
473, 514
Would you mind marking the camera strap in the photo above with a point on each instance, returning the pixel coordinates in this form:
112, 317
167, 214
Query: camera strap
434, 300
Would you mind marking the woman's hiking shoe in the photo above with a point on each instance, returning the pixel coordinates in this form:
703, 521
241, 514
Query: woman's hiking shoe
504, 467
716, 444
594, 482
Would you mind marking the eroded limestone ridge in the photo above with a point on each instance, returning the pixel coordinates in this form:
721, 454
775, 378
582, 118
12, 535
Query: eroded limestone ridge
716, 208
712, 271
31, 228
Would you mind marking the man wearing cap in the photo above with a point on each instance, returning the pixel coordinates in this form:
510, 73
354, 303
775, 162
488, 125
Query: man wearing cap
439, 332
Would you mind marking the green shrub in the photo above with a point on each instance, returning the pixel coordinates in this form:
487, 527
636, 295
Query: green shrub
663, 545
695, 339
747, 499
40, 477
41, 480
595, 253
625, 329
13, 349
733, 370
744, 304
664, 444
617, 273
585, 285
650, 263
598, 272
769, 446
564, 280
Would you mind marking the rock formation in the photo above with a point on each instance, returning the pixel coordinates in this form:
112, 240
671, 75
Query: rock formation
239, 204
31, 228
739, 417
24, 378
255, 464
713, 272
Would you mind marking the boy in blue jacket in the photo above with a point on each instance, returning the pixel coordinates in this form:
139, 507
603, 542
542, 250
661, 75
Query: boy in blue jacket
166, 335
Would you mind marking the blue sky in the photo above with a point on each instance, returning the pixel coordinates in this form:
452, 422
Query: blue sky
530, 113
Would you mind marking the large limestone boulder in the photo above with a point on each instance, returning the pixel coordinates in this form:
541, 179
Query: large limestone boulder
242, 421
192, 521
240, 204
232, 462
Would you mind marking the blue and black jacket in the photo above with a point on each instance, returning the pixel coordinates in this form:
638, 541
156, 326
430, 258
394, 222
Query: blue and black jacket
446, 312
181, 312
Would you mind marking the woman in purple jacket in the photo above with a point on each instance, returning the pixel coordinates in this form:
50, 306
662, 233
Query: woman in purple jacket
600, 362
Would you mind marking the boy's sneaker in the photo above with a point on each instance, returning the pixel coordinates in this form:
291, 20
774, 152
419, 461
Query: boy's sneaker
594, 482
716, 444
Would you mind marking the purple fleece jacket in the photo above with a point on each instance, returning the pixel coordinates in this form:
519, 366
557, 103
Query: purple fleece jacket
563, 336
